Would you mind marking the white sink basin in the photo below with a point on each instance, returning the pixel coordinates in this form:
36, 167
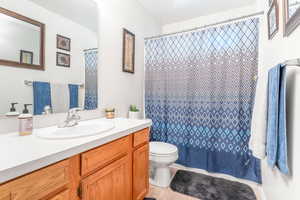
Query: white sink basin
83, 129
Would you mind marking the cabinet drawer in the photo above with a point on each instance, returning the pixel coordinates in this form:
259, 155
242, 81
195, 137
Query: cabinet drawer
62, 196
141, 137
38, 184
101, 156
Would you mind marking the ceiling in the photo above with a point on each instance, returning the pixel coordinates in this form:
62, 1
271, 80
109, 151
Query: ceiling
170, 11
83, 12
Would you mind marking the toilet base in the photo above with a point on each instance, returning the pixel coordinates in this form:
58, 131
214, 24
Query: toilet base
161, 176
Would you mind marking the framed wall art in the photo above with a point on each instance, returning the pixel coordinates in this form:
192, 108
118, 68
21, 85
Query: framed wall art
273, 20
63, 43
63, 60
128, 51
291, 11
26, 57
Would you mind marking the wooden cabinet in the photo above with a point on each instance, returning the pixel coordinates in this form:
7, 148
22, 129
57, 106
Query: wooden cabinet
110, 183
141, 172
114, 171
39, 184
102, 156
141, 137
62, 196
5, 197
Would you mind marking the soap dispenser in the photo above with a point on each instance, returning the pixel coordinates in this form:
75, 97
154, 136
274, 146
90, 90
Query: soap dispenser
25, 122
13, 111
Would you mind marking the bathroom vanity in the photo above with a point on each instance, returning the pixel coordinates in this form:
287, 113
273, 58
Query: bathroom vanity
109, 166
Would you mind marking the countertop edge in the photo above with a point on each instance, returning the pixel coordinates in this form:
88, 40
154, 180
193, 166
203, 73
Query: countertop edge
21, 170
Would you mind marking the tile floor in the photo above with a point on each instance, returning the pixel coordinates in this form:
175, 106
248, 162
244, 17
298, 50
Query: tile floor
169, 194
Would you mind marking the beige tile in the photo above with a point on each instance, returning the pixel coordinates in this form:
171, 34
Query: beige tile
167, 194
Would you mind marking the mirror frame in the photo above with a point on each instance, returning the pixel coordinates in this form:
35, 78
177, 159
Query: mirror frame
41, 66
290, 24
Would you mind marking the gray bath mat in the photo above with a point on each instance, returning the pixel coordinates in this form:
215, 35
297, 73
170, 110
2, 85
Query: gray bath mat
209, 188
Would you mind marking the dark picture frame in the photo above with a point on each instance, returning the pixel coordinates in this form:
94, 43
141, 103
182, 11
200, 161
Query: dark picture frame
63, 43
128, 51
273, 19
24, 58
41, 64
63, 63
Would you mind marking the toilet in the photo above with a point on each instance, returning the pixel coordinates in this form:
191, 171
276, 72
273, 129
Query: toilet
162, 155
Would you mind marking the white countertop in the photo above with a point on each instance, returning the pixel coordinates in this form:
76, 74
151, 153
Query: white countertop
22, 155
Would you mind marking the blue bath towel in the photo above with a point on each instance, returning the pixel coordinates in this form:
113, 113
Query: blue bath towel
276, 127
41, 97
74, 97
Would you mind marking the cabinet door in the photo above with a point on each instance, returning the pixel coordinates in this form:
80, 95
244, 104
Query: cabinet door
141, 172
62, 196
5, 197
110, 183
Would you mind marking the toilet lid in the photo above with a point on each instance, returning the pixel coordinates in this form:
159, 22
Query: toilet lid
161, 148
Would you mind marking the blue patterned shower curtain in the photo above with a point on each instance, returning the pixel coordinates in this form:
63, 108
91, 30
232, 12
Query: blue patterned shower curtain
91, 81
200, 88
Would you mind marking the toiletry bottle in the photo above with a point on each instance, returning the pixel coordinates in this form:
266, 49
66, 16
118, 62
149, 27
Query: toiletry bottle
13, 111
25, 122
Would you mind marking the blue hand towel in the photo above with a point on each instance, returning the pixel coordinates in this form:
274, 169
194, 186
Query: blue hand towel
276, 127
74, 98
41, 97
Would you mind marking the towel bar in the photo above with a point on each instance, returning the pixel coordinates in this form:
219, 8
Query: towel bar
29, 83
294, 62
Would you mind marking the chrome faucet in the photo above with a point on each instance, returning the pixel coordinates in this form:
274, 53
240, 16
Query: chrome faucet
72, 118
47, 110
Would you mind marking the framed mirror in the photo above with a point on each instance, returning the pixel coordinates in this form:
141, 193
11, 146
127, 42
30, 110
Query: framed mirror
23, 39
291, 16
273, 20
68, 75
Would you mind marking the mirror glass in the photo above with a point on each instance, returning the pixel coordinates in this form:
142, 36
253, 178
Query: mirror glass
21, 39
293, 6
69, 78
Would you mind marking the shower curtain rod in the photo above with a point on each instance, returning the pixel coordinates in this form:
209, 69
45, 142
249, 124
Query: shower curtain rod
30, 83
91, 49
207, 26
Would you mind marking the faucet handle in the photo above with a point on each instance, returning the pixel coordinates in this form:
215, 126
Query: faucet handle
74, 111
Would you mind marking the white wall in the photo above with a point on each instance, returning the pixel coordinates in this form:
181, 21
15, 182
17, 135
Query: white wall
116, 88
276, 186
12, 86
209, 19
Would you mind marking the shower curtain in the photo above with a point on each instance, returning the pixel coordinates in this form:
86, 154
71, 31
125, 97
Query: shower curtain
91, 83
199, 92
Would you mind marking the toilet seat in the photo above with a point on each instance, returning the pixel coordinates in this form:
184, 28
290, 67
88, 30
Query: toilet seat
162, 149
161, 152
